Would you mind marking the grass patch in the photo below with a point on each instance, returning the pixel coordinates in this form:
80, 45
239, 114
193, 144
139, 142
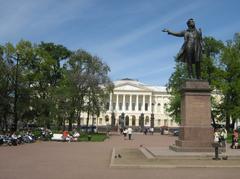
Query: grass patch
94, 137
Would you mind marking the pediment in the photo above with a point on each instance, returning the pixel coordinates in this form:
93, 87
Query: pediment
130, 87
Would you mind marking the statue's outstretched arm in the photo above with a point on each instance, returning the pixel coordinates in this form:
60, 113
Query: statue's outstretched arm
177, 34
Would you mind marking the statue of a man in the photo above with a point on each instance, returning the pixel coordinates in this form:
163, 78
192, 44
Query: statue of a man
191, 50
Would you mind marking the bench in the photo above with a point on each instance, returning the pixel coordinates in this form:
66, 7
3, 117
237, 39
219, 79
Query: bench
57, 137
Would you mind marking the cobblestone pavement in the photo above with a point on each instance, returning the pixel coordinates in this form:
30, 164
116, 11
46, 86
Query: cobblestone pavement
87, 160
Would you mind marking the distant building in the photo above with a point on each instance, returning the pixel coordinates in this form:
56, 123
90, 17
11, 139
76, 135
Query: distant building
135, 104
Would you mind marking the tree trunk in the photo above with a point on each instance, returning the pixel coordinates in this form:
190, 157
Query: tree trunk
15, 120
79, 120
47, 119
227, 122
63, 124
5, 124
70, 121
1, 124
233, 123
213, 120
88, 113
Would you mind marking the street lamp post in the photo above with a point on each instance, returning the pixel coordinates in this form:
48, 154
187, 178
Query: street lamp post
16, 94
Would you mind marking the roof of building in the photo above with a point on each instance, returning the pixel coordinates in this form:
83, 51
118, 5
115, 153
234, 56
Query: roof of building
137, 83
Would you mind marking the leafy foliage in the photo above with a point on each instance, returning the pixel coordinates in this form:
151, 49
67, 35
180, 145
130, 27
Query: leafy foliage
221, 68
47, 84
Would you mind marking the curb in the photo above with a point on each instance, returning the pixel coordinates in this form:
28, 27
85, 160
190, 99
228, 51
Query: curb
112, 158
146, 153
172, 166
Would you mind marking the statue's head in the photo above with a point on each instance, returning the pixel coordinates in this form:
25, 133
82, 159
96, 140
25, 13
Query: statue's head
191, 23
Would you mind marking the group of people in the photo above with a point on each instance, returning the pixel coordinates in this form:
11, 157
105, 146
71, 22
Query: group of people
127, 132
70, 138
148, 130
220, 136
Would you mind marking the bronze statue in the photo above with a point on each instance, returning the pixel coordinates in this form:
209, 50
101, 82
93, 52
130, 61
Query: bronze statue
191, 50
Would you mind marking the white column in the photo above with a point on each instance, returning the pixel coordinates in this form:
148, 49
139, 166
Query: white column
143, 103
130, 103
110, 102
136, 102
150, 105
117, 106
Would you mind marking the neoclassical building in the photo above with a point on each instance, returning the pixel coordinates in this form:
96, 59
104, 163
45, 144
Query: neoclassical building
135, 104
138, 105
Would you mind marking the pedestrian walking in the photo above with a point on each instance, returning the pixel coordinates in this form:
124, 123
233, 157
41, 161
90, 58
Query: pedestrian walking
129, 131
235, 139
125, 131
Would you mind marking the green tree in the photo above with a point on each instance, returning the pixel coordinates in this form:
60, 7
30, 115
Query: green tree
210, 59
229, 83
6, 87
90, 84
173, 87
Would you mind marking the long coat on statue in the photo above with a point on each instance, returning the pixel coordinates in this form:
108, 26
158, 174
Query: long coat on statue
192, 46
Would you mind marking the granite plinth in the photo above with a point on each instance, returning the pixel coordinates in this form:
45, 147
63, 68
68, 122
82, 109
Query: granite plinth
196, 133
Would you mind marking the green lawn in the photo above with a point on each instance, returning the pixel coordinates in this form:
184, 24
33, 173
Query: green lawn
95, 137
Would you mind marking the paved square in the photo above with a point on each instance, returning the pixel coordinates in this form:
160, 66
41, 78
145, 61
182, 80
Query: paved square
85, 160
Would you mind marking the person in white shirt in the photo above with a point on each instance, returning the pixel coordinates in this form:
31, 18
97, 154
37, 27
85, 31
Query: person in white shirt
151, 130
125, 131
129, 131
216, 136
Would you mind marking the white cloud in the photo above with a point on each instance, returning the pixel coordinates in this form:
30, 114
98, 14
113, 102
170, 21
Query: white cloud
147, 28
33, 17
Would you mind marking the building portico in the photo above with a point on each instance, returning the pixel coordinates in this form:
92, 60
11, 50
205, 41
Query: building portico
132, 101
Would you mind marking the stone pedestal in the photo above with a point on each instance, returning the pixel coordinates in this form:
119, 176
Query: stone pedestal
196, 133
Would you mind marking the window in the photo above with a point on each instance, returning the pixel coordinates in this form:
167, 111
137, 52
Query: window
127, 121
133, 106
107, 106
94, 121
146, 106
159, 122
139, 106
165, 122
147, 120
133, 120
120, 106
106, 118
127, 106
114, 106
100, 120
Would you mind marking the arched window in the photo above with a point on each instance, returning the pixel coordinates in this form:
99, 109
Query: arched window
100, 121
133, 120
147, 120
127, 120
106, 118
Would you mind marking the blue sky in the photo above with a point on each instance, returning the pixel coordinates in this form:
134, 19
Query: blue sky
126, 34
